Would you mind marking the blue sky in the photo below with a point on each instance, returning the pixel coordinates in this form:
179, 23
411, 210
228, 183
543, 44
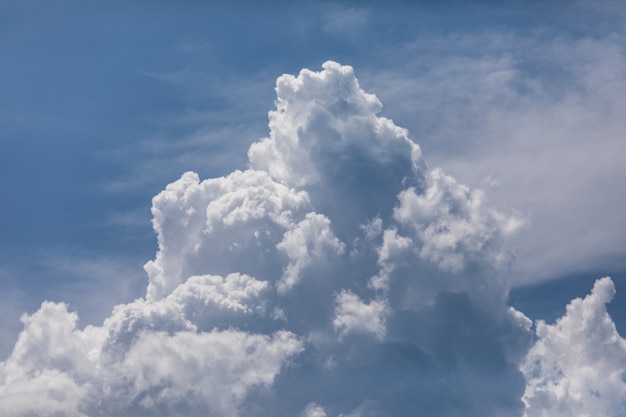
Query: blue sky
104, 105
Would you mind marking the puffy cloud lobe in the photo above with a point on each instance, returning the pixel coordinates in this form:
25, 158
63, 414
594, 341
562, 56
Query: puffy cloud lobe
326, 137
200, 303
313, 410
352, 315
392, 250
50, 370
215, 369
307, 243
460, 242
453, 224
203, 226
146, 356
577, 366
323, 113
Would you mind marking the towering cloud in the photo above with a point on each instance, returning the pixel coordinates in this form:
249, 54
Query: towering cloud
336, 275
578, 365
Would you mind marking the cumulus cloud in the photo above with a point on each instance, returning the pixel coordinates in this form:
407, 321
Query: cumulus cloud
49, 372
354, 315
313, 410
336, 275
577, 366
144, 357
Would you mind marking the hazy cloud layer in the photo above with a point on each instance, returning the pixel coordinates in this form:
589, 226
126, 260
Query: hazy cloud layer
336, 275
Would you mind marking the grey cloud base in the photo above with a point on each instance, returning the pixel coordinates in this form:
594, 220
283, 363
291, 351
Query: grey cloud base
336, 276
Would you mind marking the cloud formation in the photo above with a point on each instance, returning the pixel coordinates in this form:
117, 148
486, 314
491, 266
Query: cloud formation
498, 102
577, 366
336, 275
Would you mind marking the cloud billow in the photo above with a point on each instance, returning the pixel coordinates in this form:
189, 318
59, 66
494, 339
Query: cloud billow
578, 365
336, 275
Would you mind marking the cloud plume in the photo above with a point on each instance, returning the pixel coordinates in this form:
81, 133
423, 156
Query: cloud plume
336, 276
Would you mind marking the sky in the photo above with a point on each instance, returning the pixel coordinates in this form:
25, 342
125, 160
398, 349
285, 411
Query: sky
312, 208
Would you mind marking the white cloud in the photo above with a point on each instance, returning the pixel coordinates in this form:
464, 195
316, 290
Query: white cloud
309, 242
352, 315
453, 225
49, 371
325, 134
146, 355
313, 410
202, 225
200, 303
337, 269
392, 250
577, 366
216, 368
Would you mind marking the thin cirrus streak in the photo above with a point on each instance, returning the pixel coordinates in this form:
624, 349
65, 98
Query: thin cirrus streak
336, 276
